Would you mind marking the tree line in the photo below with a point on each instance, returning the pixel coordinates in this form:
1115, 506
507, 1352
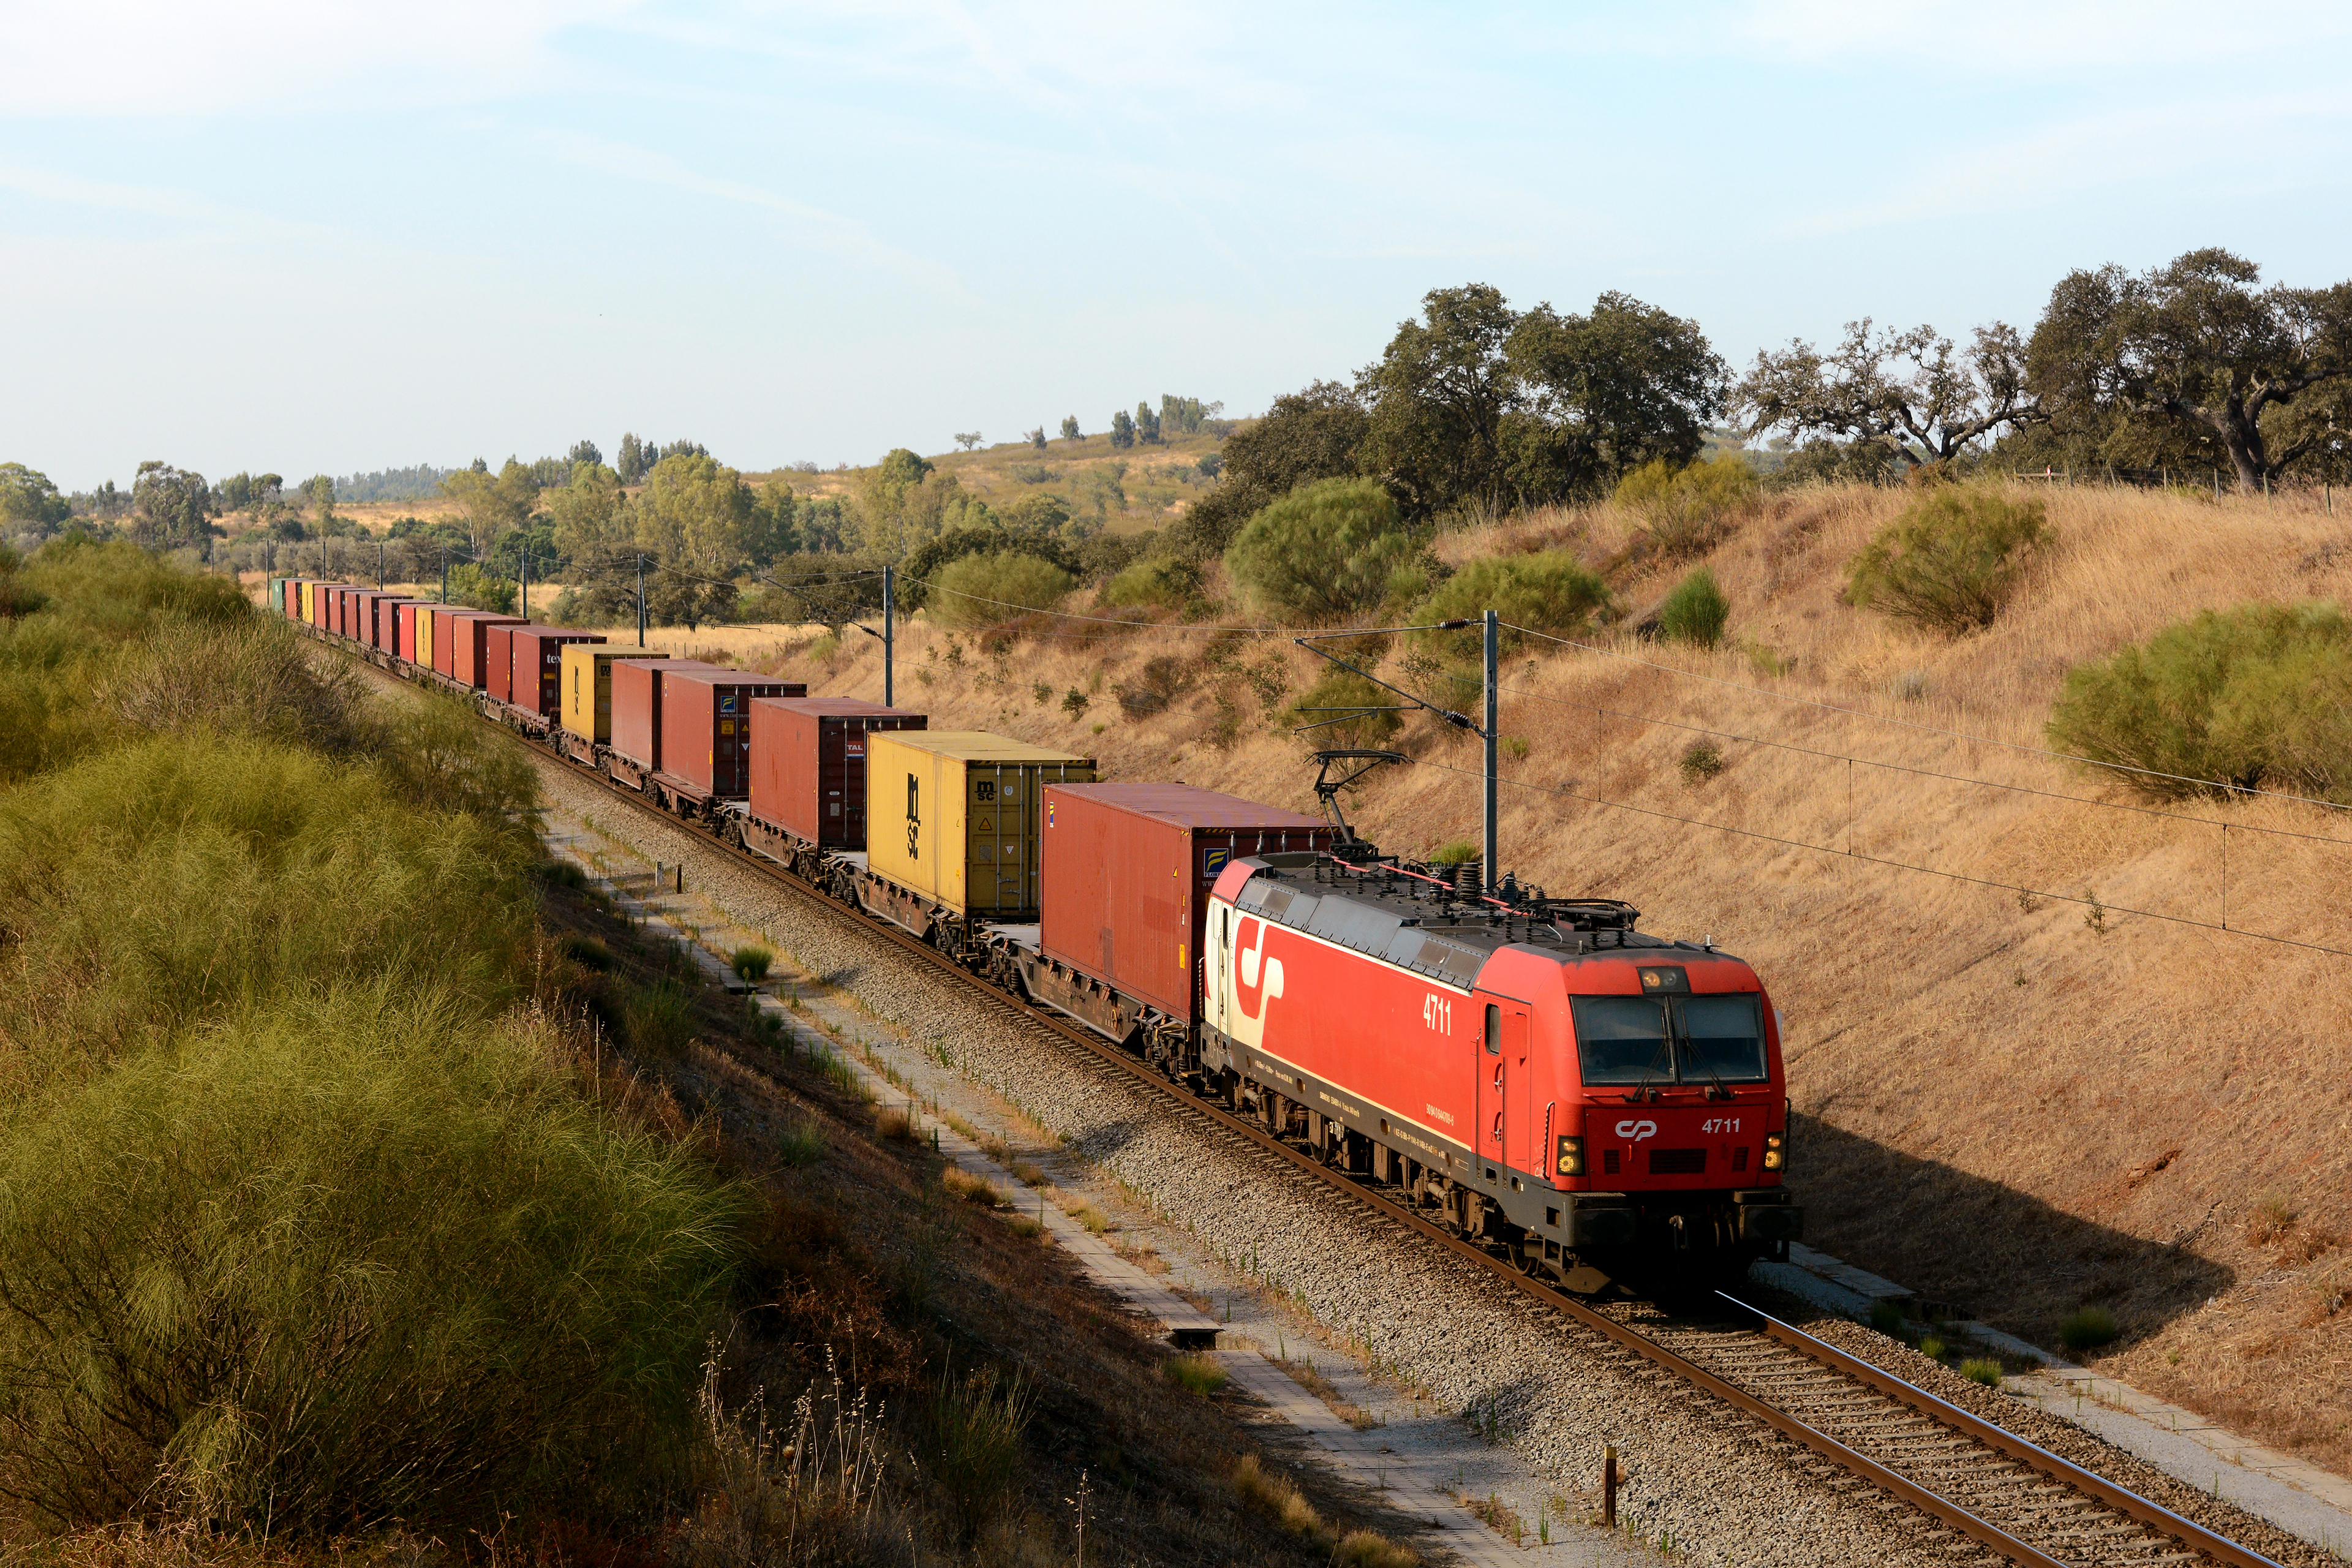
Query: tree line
1474, 407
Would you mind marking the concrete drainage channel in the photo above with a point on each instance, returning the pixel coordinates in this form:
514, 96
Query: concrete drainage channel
1554, 1392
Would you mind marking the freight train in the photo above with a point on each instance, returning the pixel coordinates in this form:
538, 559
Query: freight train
1534, 1073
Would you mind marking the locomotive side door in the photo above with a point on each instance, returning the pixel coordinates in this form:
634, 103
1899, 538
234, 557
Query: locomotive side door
1504, 1085
1522, 1134
1493, 1086
1220, 940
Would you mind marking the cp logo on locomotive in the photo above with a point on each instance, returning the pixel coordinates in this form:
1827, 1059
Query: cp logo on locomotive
1259, 981
1637, 1131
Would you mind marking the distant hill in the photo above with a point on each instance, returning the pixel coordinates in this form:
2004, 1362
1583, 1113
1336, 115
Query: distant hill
1133, 489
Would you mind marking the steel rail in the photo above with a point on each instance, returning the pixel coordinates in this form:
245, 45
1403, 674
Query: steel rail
2187, 1532
1621, 1334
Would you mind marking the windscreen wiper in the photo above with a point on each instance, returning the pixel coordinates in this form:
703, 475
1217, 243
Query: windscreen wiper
1721, 1090
1643, 1090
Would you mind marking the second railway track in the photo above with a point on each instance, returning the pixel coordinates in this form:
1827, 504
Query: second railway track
1986, 1487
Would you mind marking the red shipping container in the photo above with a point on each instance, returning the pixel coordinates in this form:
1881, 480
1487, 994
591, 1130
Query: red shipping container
498, 660
330, 608
444, 635
404, 628
322, 603
471, 660
638, 706
1127, 869
387, 621
536, 666
808, 764
346, 600
364, 616
705, 720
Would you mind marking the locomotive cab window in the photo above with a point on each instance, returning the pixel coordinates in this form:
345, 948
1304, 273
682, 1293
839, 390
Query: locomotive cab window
1627, 1040
1493, 1030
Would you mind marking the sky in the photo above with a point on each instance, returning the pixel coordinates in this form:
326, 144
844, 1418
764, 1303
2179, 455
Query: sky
312, 236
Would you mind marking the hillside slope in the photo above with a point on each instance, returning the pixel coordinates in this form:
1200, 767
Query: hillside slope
2002, 1102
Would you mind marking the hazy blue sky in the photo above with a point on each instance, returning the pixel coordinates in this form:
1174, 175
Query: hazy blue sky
310, 235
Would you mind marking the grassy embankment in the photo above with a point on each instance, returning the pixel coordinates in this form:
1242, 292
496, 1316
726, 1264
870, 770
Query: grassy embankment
2021, 1105
367, 1188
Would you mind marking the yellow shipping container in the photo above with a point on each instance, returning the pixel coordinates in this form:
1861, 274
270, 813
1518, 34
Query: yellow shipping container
588, 686
310, 617
952, 815
425, 635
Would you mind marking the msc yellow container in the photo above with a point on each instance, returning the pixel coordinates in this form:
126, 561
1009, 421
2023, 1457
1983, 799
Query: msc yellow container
310, 602
952, 815
588, 686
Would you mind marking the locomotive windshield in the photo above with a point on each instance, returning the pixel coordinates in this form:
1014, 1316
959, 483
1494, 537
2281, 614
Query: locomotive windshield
1670, 1039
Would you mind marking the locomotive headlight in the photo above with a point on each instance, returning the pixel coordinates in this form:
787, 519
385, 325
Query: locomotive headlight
1776, 1150
1571, 1156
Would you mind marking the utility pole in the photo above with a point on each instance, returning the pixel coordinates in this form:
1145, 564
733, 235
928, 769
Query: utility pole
1487, 848
379, 566
444, 576
641, 601
889, 584
525, 573
1486, 732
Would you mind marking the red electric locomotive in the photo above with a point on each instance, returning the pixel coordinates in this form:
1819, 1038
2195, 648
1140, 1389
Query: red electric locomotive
1555, 1083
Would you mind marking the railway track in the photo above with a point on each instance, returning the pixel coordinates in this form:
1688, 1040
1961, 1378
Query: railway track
1980, 1482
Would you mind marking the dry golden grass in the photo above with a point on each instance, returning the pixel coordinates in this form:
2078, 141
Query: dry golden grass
1998, 1104
978, 1191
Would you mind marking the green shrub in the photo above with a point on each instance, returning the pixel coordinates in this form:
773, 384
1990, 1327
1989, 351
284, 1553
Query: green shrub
1695, 612
971, 1434
1321, 553
469, 584
1950, 561
2088, 1329
1701, 761
1932, 1348
1548, 591
1978, 1369
659, 1018
1158, 582
248, 676
587, 951
1456, 852
752, 963
346, 1261
347, 1242
437, 752
1688, 511
988, 590
1348, 711
166, 883
2256, 697
1887, 1318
